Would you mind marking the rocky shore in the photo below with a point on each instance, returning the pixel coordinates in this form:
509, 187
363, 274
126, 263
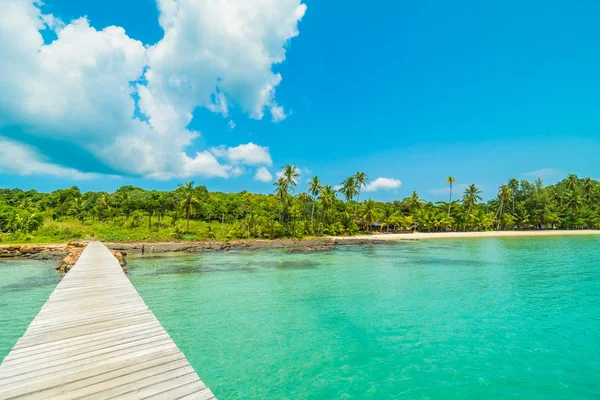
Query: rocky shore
71, 251
66, 254
303, 245
37, 252
74, 250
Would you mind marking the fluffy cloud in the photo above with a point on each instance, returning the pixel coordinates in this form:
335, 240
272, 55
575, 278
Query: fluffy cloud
17, 158
249, 154
382, 184
263, 175
77, 91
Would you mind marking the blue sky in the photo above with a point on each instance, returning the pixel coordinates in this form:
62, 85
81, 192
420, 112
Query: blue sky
412, 91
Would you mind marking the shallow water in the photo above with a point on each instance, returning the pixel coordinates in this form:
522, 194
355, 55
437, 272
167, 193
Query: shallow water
475, 318
486, 318
25, 285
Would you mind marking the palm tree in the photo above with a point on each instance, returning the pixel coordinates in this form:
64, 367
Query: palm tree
513, 184
575, 201
588, 189
572, 182
290, 177
281, 189
304, 198
450, 180
388, 215
369, 212
349, 189
471, 197
77, 208
361, 180
105, 202
503, 198
327, 199
413, 201
314, 188
189, 202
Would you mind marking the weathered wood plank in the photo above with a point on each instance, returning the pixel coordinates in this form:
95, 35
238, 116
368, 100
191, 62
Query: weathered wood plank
96, 338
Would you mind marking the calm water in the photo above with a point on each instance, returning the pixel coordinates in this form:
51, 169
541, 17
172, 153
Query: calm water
487, 318
24, 288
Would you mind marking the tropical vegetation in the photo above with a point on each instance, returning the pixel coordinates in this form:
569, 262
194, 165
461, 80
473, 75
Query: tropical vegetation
192, 212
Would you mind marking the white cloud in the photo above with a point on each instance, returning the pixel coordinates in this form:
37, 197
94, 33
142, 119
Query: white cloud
337, 187
263, 175
248, 154
277, 114
228, 47
382, 184
231, 125
542, 173
78, 88
16, 158
237, 171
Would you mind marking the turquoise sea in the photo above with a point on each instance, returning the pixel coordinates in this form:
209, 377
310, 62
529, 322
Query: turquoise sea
24, 288
438, 319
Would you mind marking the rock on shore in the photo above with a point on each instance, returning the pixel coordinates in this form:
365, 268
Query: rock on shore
74, 251
38, 252
68, 254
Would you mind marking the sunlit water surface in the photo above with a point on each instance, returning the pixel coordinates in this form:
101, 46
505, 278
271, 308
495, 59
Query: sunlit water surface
483, 318
24, 288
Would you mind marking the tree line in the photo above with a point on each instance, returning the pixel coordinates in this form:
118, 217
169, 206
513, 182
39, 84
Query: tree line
193, 212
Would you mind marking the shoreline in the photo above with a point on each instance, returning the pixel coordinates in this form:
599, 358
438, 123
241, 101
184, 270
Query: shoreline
472, 235
57, 251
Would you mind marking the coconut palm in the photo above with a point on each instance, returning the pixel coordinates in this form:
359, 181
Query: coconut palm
189, 202
327, 199
286, 182
361, 180
280, 189
349, 189
388, 215
304, 198
572, 182
513, 185
369, 212
503, 198
471, 197
450, 180
314, 188
588, 188
575, 200
290, 176
413, 201
77, 208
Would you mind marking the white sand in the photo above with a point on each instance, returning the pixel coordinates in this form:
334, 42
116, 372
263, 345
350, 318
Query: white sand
455, 235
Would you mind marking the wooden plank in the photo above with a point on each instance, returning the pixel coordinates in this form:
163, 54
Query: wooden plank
113, 379
83, 349
95, 337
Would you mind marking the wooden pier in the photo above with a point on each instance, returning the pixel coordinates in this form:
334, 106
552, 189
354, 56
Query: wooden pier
95, 338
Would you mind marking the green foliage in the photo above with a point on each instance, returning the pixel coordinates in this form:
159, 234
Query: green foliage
134, 214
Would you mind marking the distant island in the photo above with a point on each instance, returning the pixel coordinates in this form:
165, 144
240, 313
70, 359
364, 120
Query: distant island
192, 213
